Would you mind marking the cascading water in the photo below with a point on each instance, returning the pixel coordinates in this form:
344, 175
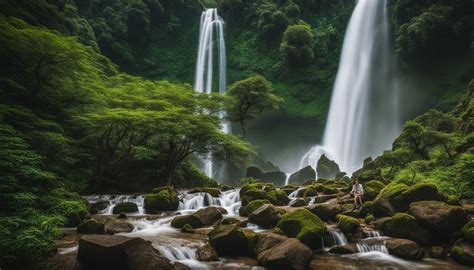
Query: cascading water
363, 116
113, 200
203, 83
229, 200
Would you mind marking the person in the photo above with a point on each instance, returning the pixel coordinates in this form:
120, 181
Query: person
358, 191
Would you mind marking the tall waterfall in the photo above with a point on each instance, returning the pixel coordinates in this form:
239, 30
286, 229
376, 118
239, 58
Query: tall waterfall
363, 115
211, 24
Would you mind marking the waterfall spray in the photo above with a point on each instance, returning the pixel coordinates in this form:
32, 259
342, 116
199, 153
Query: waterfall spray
363, 116
211, 24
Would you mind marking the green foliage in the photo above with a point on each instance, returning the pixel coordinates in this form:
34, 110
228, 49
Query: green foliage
250, 98
297, 44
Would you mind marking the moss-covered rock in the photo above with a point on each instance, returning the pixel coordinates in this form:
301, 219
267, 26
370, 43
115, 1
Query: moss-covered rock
326, 211
214, 192
365, 208
327, 168
125, 207
231, 240
468, 231
372, 189
230, 220
299, 177
75, 211
303, 225
266, 216
463, 253
165, 200
347, 224
253, 195
91, 226
207, 253
369, 219
181, 221
278, 197
252, 206
203, 217
405, 249
187, 229
299, 202
406, 226
312, 190
329, 190
396, 197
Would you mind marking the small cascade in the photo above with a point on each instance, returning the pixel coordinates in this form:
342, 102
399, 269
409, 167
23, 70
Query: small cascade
364, 247
338, 237
373, 233
113, 200
181, 253
229, 200
292, 195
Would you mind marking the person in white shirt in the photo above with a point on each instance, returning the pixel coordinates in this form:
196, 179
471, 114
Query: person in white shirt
358, 191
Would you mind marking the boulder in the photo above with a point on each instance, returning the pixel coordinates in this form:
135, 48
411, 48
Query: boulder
299, 177
206, 253
372, 189
440, 218
266, 216
349, 248
96, 207
327, 168
468, 231
230, 220
463, 252
396, 197
91, 226
268, 240
299, 202
347, 224
276, 177
405, 249
438, 252
313, 190
122, 216
303, 225
278, 197
252, 206
187, 229
324, 198
326, 211
114, 226
403, 225
290, 254
164, 200
231, 240
119, 252
125, 207
254, 172
203, 217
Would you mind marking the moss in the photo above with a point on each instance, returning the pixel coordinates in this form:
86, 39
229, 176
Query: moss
369, 219
181, 221
453, 200
125, 207
73, 211
372, 189
365, 209
459, 255
329, 190
313, 190
420, 192
347, 224
468, 231
165, 200
230, 220
303, 225
91, 226
187, 229
214, 192
278, 197
252, 206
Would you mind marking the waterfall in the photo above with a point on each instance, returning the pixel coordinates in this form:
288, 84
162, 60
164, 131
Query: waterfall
229, 200
363, 115
287, 179
338, 237
363, 247
211, 24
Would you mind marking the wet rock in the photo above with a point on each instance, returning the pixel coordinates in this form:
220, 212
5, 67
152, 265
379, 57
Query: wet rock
214, 192
266, 216
122, 216
327, 168
439, 217
95, 208
347, 224
91, 226
372, 189
187, 229
403, 225
463, 252
438, 252
405, 249
313, 190
165, 200
119, 252
268, 240
365, 208
299, 177
290, 254
125, 207
288, 189
276, 177
326, 211
299, 202
206, 253
113, 226
254, 172
252, 206
348, 248
324, 198
181, 266
230, 220
231, 240
468, 231
303, 225
203, 217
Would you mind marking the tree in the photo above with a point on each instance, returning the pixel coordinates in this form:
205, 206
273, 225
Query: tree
297, 44
250, 98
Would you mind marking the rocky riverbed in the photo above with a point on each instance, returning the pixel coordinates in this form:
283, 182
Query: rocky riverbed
259, 226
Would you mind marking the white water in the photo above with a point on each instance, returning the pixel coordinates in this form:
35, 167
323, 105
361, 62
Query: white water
363, 115
372, 234
338, 237
363, 247
211, 23
287, 179
113, 200
229, 200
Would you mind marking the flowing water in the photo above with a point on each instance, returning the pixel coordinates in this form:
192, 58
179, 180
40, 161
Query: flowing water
229, 200
363, 115
211, 24
113, 200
